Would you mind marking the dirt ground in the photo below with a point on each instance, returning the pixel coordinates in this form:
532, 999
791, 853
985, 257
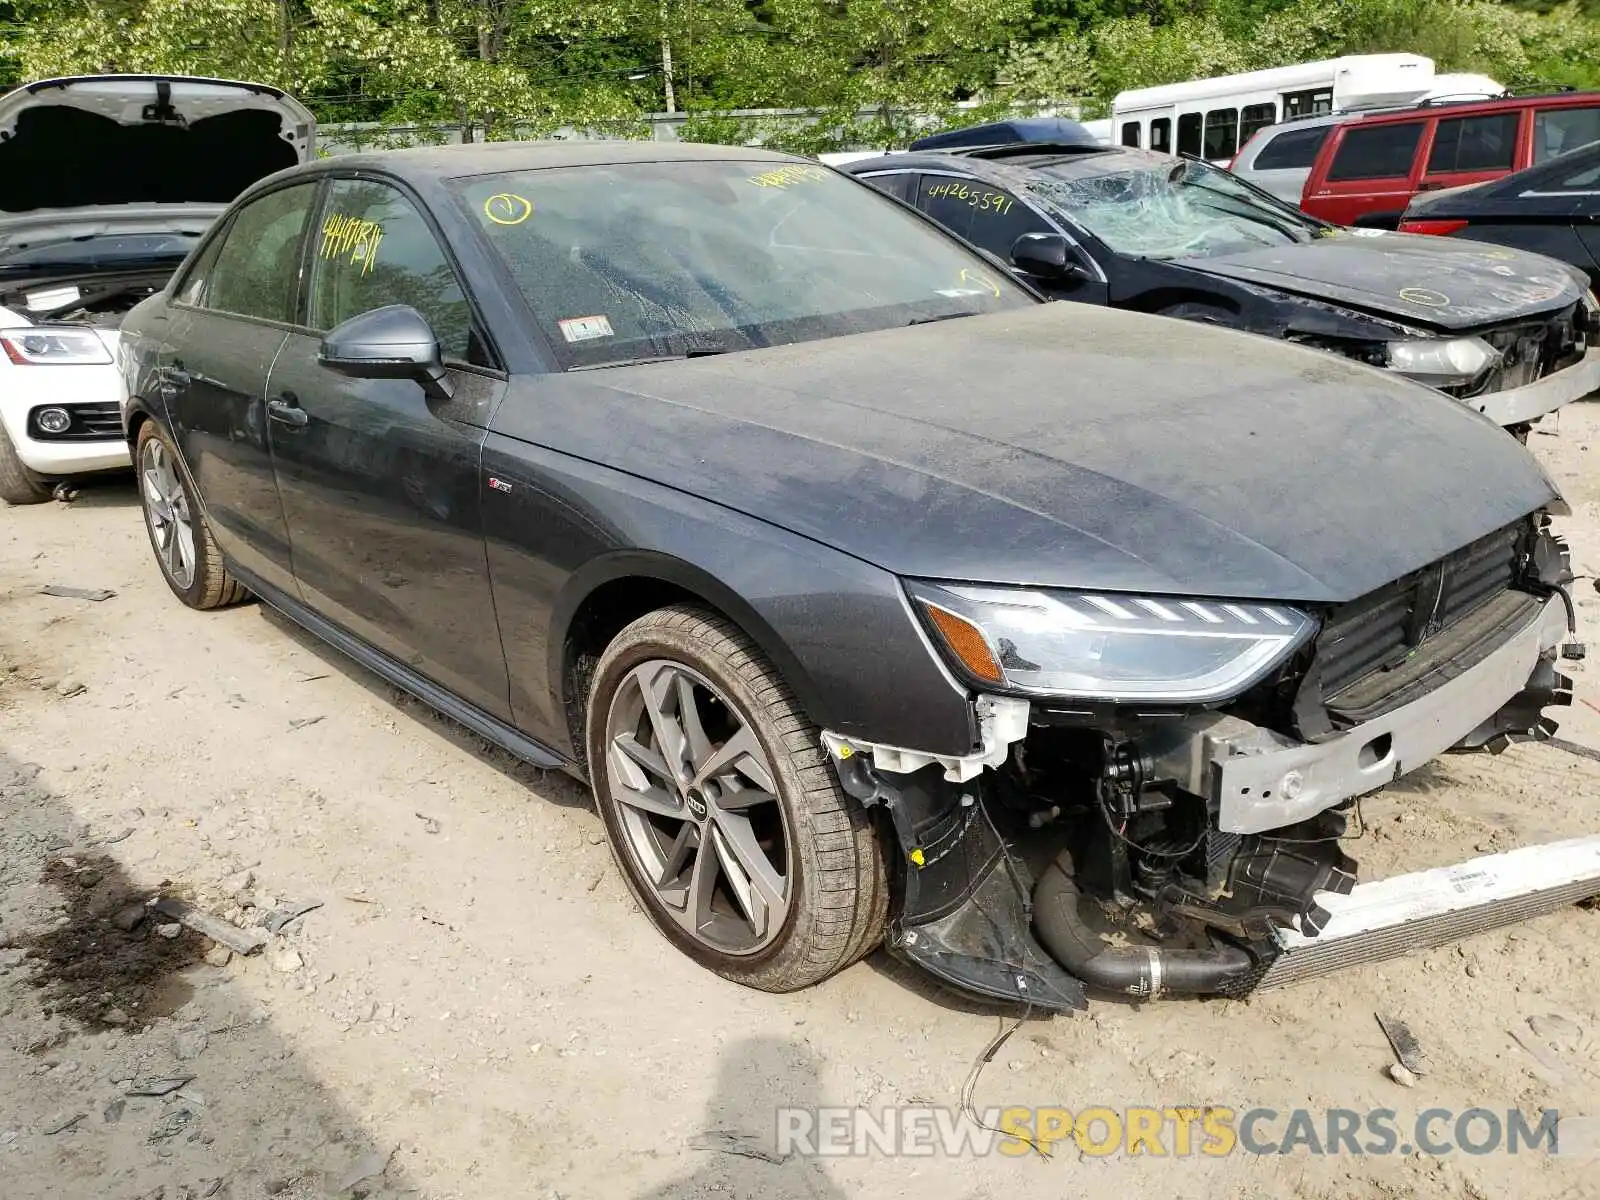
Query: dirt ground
476, 1010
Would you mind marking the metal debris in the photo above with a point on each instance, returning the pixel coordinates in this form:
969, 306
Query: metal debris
68, 592
302, 722
729, 1141
240, 941
63, 1126
171, 1125
159, 1087
1406, 1047
279, 917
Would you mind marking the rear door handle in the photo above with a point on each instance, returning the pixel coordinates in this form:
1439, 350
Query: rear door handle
286, 412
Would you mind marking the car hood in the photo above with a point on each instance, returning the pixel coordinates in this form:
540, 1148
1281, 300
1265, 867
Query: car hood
1062, 445
1443, 283
89, 142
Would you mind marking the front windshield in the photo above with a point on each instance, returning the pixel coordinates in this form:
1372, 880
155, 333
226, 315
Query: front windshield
1182, 209
102, 250
629, 261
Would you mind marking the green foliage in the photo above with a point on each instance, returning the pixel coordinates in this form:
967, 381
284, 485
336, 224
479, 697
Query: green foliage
860, 68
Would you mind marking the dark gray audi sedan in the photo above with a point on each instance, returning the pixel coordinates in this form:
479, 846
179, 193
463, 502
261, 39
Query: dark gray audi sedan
876, 598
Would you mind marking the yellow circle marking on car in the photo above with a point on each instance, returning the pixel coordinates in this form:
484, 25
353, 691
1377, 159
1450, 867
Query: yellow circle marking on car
970, 276
507, 208
1499, 255
1425, 296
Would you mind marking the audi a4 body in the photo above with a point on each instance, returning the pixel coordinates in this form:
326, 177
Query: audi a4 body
876, 598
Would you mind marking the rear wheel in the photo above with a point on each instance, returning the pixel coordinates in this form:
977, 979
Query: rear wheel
189, 559
722, 810
18, 485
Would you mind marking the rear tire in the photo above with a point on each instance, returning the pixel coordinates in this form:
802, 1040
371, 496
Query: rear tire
18, 485
185, 550
689, 680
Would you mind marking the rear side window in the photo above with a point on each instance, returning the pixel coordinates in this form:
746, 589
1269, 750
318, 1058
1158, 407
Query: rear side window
1222, 133
1293, 148
1255, 117
1557, 130
1586, 179
1376, 151
257, 271
893, 183
1161, 135
1189, 134
193, 289
1130, 133
1486, 143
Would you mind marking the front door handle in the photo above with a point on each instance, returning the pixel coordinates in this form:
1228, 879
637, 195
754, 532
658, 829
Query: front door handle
286, 413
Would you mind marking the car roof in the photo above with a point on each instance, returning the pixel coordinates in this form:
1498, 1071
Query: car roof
488, 158
1059, 130
1019, 160
1472, 108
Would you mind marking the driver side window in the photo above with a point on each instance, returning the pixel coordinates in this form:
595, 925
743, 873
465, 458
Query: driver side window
373, 249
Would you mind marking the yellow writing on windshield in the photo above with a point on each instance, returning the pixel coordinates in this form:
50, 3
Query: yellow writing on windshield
351, 238
977, 278
507, 208
789, 176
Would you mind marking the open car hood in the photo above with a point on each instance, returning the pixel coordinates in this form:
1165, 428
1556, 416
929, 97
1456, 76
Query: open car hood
72, 148
1446, 283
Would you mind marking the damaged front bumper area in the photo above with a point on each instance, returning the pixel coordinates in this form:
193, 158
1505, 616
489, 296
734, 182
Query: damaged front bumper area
1192, 851
1522, 405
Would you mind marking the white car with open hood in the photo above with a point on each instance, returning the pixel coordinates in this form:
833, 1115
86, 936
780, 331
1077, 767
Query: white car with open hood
106, 183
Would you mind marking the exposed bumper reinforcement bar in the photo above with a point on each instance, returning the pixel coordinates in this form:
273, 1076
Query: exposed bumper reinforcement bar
1263, 781
1534, 400
1392, 917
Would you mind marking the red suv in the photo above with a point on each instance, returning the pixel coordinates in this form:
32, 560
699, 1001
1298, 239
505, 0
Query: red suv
1367, 171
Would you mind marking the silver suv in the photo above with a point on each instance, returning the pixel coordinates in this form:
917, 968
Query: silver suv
1278, 158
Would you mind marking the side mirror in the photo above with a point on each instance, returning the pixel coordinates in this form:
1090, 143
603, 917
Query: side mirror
1046, 256
395, 342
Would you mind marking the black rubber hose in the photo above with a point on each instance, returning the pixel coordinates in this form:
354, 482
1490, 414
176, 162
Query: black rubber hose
1142, 971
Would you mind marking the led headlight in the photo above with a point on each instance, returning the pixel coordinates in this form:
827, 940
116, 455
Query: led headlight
42, 345
1445, 362
1109, 646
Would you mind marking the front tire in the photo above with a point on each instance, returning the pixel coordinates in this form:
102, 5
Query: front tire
185, 550
722, 811
18, 485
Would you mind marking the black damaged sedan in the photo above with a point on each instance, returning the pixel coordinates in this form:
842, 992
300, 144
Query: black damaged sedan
876, 599
1514, 335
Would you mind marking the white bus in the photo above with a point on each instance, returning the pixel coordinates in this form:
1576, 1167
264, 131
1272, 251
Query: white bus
1212, 118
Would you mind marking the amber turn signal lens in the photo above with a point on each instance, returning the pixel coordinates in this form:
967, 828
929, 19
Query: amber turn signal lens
967, 642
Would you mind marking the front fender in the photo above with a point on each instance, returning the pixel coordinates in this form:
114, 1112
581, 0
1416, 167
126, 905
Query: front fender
838, 629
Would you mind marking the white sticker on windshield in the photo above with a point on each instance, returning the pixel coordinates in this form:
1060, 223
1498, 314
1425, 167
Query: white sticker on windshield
583, 329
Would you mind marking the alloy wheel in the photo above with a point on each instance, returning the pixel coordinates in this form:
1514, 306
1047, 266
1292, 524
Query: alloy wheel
696, 800
167, 509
